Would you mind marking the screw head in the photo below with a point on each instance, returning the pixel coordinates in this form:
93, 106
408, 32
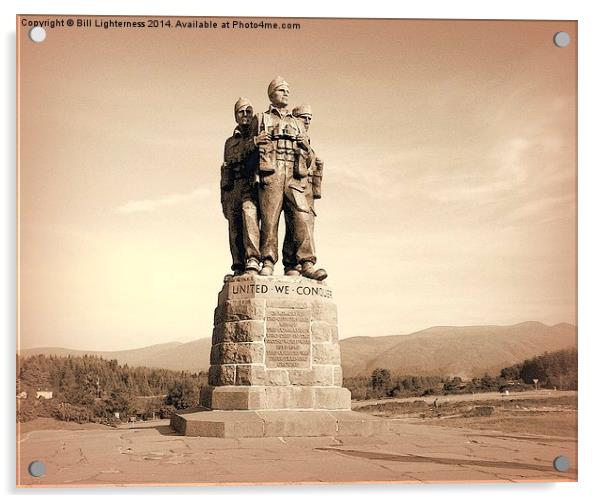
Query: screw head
562, 463
37, 468
37, 34
562, 39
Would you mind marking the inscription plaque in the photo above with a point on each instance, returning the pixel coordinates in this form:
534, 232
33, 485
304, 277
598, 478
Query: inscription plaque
287, 340
248, 288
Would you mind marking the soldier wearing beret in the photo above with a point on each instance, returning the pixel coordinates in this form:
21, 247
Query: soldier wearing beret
282, 168
239, 193
312, 191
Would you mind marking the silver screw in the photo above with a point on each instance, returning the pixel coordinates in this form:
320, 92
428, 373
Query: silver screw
562, 463
562, 39
37, 468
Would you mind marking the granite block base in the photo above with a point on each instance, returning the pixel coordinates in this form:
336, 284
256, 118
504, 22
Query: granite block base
276, 423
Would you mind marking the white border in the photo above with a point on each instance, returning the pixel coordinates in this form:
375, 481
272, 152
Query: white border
590, 252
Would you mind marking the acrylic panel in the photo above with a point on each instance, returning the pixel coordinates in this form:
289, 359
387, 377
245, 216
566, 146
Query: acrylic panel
277, 250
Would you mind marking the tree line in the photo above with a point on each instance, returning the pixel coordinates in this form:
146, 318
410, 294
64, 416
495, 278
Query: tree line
92, 389
552, 370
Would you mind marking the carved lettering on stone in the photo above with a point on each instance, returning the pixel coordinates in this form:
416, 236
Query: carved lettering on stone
287, 341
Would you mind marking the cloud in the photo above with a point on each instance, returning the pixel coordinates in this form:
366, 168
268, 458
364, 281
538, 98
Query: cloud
372, 171
169, 200
502, 171
546, 209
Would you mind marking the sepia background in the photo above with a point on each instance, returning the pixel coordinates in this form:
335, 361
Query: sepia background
449, 195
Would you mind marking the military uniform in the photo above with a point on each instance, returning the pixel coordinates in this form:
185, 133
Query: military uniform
283, 176
290, 260
312, 191
239, 200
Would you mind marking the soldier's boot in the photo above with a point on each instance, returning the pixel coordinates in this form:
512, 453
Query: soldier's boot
292, 270
309, 271
252, 266
267, 269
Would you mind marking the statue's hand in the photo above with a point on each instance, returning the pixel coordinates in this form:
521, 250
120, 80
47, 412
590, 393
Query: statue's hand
303, 141
262, 138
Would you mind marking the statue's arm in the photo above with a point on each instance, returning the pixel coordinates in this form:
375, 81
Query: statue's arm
227, 177
250, 144
317, 174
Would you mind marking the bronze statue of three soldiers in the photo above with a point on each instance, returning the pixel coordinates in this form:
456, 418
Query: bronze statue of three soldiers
270, 167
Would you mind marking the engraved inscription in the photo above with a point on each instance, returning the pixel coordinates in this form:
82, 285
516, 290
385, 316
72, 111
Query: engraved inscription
251, 288
287, 340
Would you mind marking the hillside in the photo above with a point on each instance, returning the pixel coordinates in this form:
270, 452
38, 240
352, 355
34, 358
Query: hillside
191, 356
454, 351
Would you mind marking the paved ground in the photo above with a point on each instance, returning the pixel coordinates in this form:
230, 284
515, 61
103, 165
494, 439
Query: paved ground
154, 454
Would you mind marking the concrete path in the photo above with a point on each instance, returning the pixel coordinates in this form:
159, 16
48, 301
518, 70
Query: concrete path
155, 455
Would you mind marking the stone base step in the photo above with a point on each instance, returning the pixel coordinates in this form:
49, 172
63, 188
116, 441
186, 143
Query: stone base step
276, 423
275, 397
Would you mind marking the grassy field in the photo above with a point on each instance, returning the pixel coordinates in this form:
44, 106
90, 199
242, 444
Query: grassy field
544, 412
538, 413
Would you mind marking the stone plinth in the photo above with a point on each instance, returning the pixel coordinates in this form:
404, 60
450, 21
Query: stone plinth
277, 423
275, 346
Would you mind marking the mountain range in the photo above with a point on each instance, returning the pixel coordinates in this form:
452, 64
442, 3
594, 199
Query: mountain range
449, 351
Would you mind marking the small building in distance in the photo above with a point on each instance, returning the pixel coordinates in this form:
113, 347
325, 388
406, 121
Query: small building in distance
46, 395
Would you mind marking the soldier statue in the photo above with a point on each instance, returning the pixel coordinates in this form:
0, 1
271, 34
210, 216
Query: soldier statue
239, 193
282, 168
312, 191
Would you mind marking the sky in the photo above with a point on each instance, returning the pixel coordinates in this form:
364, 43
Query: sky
449, 192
